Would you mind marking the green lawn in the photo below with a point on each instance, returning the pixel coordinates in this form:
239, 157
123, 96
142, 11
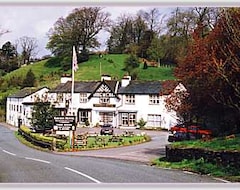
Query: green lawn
217, 144
201, 166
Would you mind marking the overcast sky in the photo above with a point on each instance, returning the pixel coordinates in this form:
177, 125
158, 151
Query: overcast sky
36, 20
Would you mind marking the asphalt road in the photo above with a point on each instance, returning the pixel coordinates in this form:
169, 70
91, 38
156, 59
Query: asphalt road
21, 164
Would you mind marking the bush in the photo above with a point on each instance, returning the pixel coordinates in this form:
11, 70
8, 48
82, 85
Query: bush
54, 62
142, 123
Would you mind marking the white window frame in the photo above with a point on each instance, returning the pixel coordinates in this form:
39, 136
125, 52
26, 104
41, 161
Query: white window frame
60, 97
154, 99
154, 120
128, 119
83, 97
130, 99
83, 116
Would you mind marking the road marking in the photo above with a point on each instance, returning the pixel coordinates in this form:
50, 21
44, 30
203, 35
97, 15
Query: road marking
9, 153
38, 160
219, 179
80, 173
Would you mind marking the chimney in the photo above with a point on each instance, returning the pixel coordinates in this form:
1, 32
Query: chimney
65, 78
125, 81
105, 77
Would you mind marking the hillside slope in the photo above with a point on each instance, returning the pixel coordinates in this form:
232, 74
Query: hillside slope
111, 64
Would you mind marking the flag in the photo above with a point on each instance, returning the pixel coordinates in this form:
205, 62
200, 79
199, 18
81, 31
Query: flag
74, 60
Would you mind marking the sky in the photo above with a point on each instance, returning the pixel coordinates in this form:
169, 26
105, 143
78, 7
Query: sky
36, 20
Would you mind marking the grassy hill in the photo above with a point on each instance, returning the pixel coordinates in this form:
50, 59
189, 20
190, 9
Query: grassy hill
111, 64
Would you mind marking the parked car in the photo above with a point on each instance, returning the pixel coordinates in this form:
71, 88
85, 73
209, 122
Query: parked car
191, 131
106, 129
178, 136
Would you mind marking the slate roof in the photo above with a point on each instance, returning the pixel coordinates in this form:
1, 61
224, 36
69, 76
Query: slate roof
79, 86
141, 87
25, 92
134, 87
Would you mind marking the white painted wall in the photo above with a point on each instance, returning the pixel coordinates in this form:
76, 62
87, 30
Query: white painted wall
12, 115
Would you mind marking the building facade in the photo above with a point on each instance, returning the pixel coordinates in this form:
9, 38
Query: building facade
20, 104
121, 103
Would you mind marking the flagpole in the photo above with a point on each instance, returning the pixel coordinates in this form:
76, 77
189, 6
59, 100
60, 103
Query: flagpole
74, 68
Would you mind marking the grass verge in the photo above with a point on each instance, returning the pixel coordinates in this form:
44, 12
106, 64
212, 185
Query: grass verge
201, 167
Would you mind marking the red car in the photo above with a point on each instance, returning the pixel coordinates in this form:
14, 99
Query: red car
194, 131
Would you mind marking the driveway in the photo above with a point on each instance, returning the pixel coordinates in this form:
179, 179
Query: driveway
144, 152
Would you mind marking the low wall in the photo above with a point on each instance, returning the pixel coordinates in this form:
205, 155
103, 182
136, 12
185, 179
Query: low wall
224, 158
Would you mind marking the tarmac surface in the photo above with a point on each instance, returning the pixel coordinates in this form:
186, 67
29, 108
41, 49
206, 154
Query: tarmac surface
144, 152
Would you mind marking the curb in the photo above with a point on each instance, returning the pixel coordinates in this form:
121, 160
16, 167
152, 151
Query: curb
11, 127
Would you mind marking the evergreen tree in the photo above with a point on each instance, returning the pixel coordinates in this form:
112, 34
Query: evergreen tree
29, 80
42, 116
131, 63
145, 66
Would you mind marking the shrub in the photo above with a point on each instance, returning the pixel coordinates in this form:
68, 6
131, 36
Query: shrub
142, 123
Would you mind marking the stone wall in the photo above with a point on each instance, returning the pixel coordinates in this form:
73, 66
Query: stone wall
224, 158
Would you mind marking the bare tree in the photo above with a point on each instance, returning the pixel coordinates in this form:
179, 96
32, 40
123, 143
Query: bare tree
29, 46
154, 19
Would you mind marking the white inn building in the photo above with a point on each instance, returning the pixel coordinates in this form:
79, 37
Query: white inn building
121, 103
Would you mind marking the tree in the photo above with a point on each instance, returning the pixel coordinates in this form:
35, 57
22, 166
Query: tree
145, 44
29, 80
210, 71
154, 19
155, 51
8, 58
131, 63
180, 26
226, 58
29, 46
42, 116
79, 29
145, 66
126, 33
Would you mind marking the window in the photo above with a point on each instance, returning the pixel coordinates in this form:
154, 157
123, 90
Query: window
128, 119
104, 98
154, 120
132, 119
60, 98
106, 117
124, 119
130, 99
153, 99
83, 116
83, 97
